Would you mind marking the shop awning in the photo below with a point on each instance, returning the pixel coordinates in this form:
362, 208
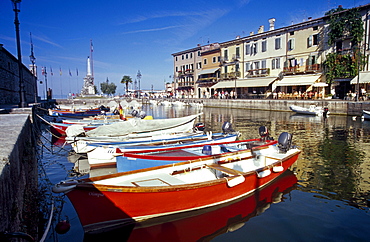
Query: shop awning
208, 71
364, 78
252, 82
302, 80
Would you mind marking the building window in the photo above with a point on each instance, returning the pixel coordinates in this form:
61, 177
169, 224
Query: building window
264, 46
254, 49
182, 57
199, 53
199, 65
315, 28
187, 56
247, 66
291, 33
247, 49
313, 40
191, 55
275, 63
205, 61
214, 59
237, 50
291, 44
277, 43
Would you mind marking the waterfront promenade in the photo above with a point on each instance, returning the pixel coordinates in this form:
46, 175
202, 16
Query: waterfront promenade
335, 106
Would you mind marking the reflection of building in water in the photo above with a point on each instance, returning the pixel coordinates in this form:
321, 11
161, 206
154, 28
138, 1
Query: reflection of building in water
88, 87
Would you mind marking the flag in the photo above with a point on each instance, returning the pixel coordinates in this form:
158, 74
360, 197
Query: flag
51, 71
60, 71
70, 73
42, 71
77, 71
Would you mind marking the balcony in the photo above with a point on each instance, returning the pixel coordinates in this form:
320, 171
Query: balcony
258, 72
231, 75
302, 69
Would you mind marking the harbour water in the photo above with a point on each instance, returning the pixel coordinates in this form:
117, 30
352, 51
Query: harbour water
325, 196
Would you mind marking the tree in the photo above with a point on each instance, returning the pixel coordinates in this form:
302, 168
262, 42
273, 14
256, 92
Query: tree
108, 88
344, 25
126, 80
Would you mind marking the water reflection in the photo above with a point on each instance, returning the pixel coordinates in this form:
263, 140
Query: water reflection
335, 159
334, 163
205, 224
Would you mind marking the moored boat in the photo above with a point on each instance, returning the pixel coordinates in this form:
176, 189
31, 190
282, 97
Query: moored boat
366, 114
311, 110
180, 187
225, 218
107, 154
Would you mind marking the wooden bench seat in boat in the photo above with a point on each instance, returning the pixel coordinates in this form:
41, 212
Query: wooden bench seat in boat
224, 169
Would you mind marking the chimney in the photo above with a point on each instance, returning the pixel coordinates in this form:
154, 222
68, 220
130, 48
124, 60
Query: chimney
261, 28
251, 33
272, 23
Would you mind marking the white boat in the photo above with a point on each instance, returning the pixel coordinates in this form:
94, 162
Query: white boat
311, 110
106, 154
366, 114
133, 130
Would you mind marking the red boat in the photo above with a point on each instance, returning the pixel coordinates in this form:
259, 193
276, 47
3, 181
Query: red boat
225, 218
59, 129
180, 187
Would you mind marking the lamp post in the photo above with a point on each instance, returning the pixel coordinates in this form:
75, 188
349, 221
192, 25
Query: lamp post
16, 7
139, 77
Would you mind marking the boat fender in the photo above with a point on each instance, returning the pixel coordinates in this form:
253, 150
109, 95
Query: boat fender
278, 169
65, 186
235, 181
264, 173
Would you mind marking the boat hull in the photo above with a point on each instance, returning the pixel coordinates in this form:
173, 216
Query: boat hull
109, 205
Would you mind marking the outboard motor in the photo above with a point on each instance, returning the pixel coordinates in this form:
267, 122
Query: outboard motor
207, 150
285, 142
227, 128
134, 113
326, 111
199, 127
142, 114
264, 133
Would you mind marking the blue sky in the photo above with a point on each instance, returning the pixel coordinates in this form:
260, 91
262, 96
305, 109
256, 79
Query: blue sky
136, 35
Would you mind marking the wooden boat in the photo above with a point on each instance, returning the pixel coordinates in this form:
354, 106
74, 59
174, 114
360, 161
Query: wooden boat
106, 154
140, 159
311, 110
180, 187
366, 114
75, 113
225, 217
131, 129
59, 129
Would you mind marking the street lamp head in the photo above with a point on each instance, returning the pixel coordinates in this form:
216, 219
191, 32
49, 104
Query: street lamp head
16, 5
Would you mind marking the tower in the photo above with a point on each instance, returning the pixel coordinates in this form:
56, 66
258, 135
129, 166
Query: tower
88, 88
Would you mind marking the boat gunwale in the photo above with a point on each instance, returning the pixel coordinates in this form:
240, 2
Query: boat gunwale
87, 183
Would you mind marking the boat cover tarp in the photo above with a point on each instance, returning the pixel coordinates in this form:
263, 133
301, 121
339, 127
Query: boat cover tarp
135, 125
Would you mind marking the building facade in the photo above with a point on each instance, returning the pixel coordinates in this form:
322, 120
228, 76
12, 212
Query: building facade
277, 63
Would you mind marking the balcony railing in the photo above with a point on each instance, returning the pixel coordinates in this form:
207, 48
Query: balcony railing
302, 69
231, 75
258, 72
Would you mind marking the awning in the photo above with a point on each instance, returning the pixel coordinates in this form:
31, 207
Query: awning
208, 71
302, 80
320, 84
364, 78
252, 82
